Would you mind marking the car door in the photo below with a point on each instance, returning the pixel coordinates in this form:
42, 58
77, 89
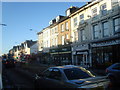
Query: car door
116, 70
53, 79
56, 79
43, 80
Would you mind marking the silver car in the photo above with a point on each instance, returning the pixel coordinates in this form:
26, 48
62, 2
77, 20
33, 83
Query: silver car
69, 76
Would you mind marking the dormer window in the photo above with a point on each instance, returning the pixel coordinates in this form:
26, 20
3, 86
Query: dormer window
68, 12
51, 22
57, 18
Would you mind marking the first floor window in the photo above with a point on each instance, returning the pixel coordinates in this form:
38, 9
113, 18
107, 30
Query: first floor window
105, 29
95, 32
82, 35
117, 24
63, 40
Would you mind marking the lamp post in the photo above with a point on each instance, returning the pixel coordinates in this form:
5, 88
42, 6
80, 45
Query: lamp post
3, 24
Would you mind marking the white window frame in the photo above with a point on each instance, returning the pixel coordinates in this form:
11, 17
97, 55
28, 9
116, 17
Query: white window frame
94, 12
81, 18
67, 36
63, 40
66, 26
103, 9
75, 21
62, 27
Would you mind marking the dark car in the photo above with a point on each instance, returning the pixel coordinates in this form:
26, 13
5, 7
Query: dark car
113, 73
69, 76
10, 63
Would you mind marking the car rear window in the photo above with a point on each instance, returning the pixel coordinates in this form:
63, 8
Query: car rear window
77, 73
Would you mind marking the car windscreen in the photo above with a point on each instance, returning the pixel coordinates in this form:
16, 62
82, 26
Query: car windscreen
77, 73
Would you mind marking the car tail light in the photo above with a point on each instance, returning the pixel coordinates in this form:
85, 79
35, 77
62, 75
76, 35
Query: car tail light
106, 70
6, 62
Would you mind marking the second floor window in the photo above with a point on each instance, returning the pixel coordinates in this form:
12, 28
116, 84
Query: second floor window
75, 21
62, 27
82, 18
94, 12
105, 29
66, 25
75, 36
82, 35
104, 9
114, 2
95, 32
117, 24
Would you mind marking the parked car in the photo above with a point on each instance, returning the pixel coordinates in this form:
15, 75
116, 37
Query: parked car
69, 76
9, 63
113, 73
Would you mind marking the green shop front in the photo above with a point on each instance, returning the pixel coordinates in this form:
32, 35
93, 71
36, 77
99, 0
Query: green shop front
61, 55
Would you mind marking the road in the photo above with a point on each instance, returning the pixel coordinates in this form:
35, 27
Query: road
14, 79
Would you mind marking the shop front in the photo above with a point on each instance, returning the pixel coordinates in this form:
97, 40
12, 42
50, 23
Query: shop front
81, 55
61, 55
105, 53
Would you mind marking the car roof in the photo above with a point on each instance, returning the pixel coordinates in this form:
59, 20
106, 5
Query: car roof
66, 67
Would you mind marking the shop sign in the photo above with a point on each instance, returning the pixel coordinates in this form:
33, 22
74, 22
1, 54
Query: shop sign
64, 49
82, 52
82, 47
74, 53
107, 43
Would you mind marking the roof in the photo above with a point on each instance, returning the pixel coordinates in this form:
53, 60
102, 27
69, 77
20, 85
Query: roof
65, 66
30, 43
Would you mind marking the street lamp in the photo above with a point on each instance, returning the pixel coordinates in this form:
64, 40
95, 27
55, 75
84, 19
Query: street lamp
33, 30
3, 24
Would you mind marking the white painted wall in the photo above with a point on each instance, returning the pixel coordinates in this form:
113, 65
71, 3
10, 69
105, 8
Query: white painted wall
34, 48
54, 36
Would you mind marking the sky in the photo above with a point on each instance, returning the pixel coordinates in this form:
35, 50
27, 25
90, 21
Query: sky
20, 17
